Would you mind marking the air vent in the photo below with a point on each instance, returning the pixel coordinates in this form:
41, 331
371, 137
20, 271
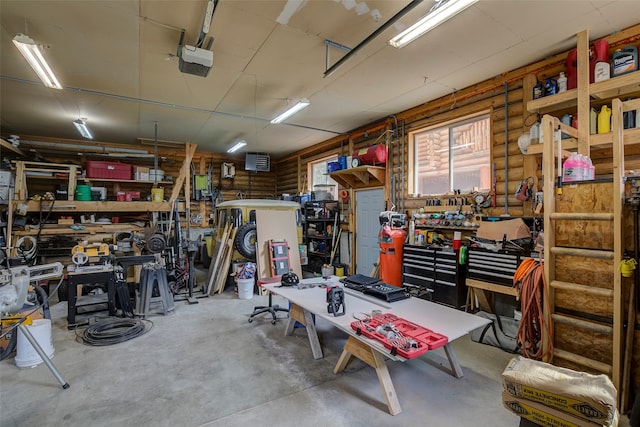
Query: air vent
257, 162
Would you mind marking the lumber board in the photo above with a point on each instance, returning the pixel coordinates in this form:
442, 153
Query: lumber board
222, 274
215, 263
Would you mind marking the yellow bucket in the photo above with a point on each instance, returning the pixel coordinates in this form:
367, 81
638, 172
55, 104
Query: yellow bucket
157, 194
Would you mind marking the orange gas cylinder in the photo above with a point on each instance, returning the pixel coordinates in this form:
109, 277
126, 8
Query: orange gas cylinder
391, 241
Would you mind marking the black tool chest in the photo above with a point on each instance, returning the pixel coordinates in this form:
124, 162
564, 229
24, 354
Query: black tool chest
494, 267
437, 271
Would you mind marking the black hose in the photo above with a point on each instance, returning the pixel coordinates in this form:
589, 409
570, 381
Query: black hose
43, 300
111, 331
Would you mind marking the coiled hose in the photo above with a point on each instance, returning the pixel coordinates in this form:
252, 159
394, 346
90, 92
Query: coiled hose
529, 277
111, 331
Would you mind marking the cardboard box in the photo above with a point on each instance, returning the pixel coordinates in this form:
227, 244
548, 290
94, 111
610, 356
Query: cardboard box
578, 394
495, 230
141, 173
544, 415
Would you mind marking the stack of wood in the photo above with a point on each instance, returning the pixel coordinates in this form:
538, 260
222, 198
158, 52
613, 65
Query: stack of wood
217, 275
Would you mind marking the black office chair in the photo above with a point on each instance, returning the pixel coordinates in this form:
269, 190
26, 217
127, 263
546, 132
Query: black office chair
271, 308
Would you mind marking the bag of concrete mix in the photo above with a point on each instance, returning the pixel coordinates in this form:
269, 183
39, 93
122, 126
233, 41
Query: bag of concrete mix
583, 395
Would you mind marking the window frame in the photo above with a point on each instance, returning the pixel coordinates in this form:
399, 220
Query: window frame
412, 182
325, 159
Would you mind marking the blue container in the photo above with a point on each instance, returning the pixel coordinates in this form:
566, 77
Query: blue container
333, 166
343, 162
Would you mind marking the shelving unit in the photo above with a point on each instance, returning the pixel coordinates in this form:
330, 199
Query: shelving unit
360, 177
322, 221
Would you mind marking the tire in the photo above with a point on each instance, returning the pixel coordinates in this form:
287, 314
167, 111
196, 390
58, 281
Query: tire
245, 241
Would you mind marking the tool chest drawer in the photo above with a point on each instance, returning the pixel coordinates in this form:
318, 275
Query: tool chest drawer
494, 267
436, 271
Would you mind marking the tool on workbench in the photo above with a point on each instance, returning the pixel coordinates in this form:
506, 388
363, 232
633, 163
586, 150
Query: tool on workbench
335, 300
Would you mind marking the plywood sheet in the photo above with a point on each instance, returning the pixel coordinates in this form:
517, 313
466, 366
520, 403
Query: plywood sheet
276, 225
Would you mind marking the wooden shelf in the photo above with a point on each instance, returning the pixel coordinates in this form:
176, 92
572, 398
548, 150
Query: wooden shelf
126, 181
598, 141
614, 87
360, 177
109, 206
52, 230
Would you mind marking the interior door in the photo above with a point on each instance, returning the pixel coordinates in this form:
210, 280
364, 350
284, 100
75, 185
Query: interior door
369, 204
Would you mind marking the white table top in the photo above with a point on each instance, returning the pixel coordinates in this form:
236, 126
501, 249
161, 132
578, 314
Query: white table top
436, 317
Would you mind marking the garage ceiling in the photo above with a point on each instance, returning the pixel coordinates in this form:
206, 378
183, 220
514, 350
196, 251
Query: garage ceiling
117, 62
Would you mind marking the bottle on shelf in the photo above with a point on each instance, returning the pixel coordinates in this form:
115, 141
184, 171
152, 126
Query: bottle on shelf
593, 121
534, 133
538, 90
562, 82
604, 120
551, 87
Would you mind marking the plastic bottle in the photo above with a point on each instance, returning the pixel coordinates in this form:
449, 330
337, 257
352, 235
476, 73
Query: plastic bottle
570, 169
593, 121
566, 119
562, 82
551, 87
534, 133
591, 170
604, 120
538, 90
638, 118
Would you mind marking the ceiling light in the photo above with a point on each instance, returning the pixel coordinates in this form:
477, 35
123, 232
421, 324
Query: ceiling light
31, 52
238, 145
82, 128
430, 21
303, 103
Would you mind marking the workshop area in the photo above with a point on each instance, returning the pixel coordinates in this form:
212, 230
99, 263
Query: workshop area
345, 213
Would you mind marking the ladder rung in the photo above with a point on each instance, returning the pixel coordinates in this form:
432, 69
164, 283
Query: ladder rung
603, 292
588, 253
583, 361
582, 216
582, 324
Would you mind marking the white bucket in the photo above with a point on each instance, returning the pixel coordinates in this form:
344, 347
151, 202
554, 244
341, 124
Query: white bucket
245, 288
26, 355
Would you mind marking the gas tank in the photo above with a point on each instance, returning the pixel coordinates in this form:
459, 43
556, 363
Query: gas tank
374, 155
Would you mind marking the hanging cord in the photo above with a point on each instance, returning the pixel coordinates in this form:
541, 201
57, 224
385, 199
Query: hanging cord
529, 277
111, 331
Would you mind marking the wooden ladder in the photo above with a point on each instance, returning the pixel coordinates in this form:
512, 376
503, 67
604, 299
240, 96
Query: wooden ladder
606, 329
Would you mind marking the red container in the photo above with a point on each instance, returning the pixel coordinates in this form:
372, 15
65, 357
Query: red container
374, 155
598, 52
108, 170
399, 335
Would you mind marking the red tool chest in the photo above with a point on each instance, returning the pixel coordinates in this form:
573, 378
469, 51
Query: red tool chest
399, 335
108, 170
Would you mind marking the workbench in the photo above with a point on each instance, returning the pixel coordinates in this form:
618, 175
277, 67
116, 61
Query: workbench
92, 277
312, 301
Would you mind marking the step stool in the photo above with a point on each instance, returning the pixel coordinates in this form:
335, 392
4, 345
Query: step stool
153, 277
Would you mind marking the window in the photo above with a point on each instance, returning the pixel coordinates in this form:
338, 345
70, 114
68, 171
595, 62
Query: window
456, 156
320, 179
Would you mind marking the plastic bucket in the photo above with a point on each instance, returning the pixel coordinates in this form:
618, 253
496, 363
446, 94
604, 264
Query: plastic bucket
26, 355
157, 194
83, 192
245, 288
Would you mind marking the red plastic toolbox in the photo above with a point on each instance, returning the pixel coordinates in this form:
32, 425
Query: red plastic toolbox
108, 170
399, 335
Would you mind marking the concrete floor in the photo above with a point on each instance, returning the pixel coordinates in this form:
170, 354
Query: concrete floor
205, 365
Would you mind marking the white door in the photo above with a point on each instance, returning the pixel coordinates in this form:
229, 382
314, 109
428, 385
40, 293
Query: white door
369, 204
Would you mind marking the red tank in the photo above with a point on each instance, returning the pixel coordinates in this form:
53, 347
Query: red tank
374, 155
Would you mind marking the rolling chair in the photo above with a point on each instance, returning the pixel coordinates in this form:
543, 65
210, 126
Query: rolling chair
279, 260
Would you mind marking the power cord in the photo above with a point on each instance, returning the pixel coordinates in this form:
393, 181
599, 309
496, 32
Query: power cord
111, 331
533, 293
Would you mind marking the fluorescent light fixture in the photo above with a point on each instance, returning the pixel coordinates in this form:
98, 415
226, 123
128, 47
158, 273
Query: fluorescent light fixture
31, 52
303, 103
430, 21
82, 128
238, 145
